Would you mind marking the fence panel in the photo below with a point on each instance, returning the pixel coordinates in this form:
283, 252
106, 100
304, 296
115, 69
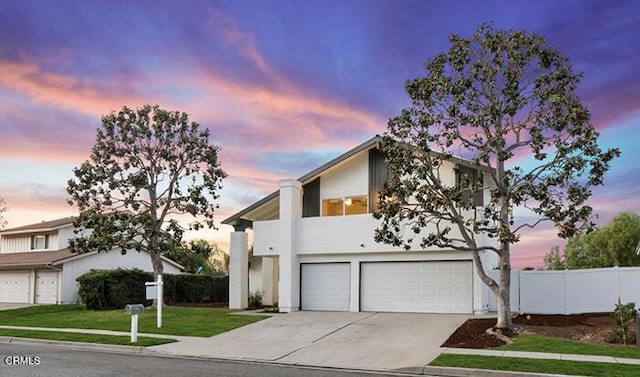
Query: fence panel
543, 292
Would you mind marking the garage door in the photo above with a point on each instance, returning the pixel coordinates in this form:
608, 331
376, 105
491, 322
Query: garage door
325, 286
14, 286
419, 287
46, 287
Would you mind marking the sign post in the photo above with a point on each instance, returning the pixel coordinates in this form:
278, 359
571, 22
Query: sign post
155, 291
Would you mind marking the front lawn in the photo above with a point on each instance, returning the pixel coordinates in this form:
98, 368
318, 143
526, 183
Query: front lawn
185, 321
537, 365
540, 343
84, 338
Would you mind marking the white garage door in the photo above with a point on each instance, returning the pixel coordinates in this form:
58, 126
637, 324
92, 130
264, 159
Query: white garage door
14, 286
419, 287
325, 286
46, 287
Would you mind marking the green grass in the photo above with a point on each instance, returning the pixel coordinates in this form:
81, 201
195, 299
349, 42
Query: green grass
537, 365
185, 321
539, 343
85, 338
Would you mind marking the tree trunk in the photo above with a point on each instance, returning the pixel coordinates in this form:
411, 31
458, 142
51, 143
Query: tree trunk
503, 297
158, 269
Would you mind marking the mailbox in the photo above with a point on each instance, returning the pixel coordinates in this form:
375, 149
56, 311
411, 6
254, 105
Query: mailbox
133, 308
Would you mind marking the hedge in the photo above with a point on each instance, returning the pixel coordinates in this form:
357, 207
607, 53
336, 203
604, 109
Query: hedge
113, 289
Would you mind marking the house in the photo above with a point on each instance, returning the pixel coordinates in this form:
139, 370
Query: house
314, 248
37, 267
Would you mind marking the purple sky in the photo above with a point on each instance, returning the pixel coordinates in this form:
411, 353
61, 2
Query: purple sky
283, 85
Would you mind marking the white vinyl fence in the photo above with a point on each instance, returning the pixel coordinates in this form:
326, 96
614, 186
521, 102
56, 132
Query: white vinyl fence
572, 291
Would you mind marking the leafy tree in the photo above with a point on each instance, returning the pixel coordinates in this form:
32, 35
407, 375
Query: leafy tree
555, 260
507, 103
3, 209
147, 165
615, 244
198, 256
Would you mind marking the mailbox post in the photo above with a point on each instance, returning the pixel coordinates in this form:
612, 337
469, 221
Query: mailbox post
133, 310
154, 290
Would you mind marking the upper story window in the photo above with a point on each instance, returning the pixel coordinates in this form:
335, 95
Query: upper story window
348, 205
40, 242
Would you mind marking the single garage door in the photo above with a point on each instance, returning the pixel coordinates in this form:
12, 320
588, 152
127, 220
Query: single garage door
418, 287
46, 287
325, 286
14, 286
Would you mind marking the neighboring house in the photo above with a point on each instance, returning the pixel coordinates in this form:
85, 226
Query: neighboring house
36, 265
314, 248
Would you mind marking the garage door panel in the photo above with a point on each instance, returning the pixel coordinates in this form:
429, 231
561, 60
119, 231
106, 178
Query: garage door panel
14, 286
434, 287
46, 287
325, 286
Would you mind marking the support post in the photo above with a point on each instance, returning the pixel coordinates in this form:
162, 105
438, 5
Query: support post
290, 214
160, 300
239, 268
134, 328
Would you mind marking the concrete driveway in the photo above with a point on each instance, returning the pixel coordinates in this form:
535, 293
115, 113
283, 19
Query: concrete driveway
370, 341
8, 305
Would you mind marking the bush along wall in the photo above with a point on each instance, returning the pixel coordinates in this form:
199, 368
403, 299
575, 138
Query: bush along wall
113, 289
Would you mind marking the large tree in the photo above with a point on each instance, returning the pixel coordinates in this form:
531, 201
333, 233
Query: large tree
615, 244
3, 209
148, 168
506, 102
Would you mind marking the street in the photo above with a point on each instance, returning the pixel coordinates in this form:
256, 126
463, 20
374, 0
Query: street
35, 360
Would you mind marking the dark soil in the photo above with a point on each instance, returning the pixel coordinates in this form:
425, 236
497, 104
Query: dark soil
594, 328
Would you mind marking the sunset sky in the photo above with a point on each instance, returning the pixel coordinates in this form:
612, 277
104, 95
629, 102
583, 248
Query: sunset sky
284, 86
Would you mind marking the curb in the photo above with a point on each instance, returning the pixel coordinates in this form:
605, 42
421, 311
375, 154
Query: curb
76, 345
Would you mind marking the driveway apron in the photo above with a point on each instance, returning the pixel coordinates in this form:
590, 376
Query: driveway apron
370, 341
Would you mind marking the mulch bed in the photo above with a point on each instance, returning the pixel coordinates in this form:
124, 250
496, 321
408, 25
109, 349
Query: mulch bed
473, 333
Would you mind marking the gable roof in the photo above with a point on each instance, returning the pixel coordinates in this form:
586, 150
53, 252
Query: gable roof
44, 226
237, 218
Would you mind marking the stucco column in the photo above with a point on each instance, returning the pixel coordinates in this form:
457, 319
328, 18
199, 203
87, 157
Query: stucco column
239, 269
269, 269
290, 213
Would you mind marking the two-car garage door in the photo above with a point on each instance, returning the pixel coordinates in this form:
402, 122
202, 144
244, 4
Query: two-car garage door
416, 286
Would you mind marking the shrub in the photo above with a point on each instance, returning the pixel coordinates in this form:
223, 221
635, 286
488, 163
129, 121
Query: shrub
623, 317
113, 289
255, 300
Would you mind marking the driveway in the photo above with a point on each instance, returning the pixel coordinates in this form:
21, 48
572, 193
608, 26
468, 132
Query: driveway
8, 305
371, 341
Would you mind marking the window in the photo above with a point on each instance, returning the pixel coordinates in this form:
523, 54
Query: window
349, 205
40, 242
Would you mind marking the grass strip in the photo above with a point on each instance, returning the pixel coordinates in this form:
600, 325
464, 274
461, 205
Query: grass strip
84, 338
540, 343
518, 364
186, 321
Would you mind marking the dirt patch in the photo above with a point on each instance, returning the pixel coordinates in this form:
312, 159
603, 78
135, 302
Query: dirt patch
594, 329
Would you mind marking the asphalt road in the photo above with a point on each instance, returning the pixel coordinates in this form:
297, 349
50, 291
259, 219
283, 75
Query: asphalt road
40, 360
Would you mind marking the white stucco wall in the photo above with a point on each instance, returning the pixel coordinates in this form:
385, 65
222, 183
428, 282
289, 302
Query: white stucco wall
103, 261
350, 178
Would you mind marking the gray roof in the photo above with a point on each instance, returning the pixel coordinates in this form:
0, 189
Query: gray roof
42, 226
35, 258
373, 142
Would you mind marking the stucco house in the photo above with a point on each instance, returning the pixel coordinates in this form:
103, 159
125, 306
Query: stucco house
314, 248
37, 267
